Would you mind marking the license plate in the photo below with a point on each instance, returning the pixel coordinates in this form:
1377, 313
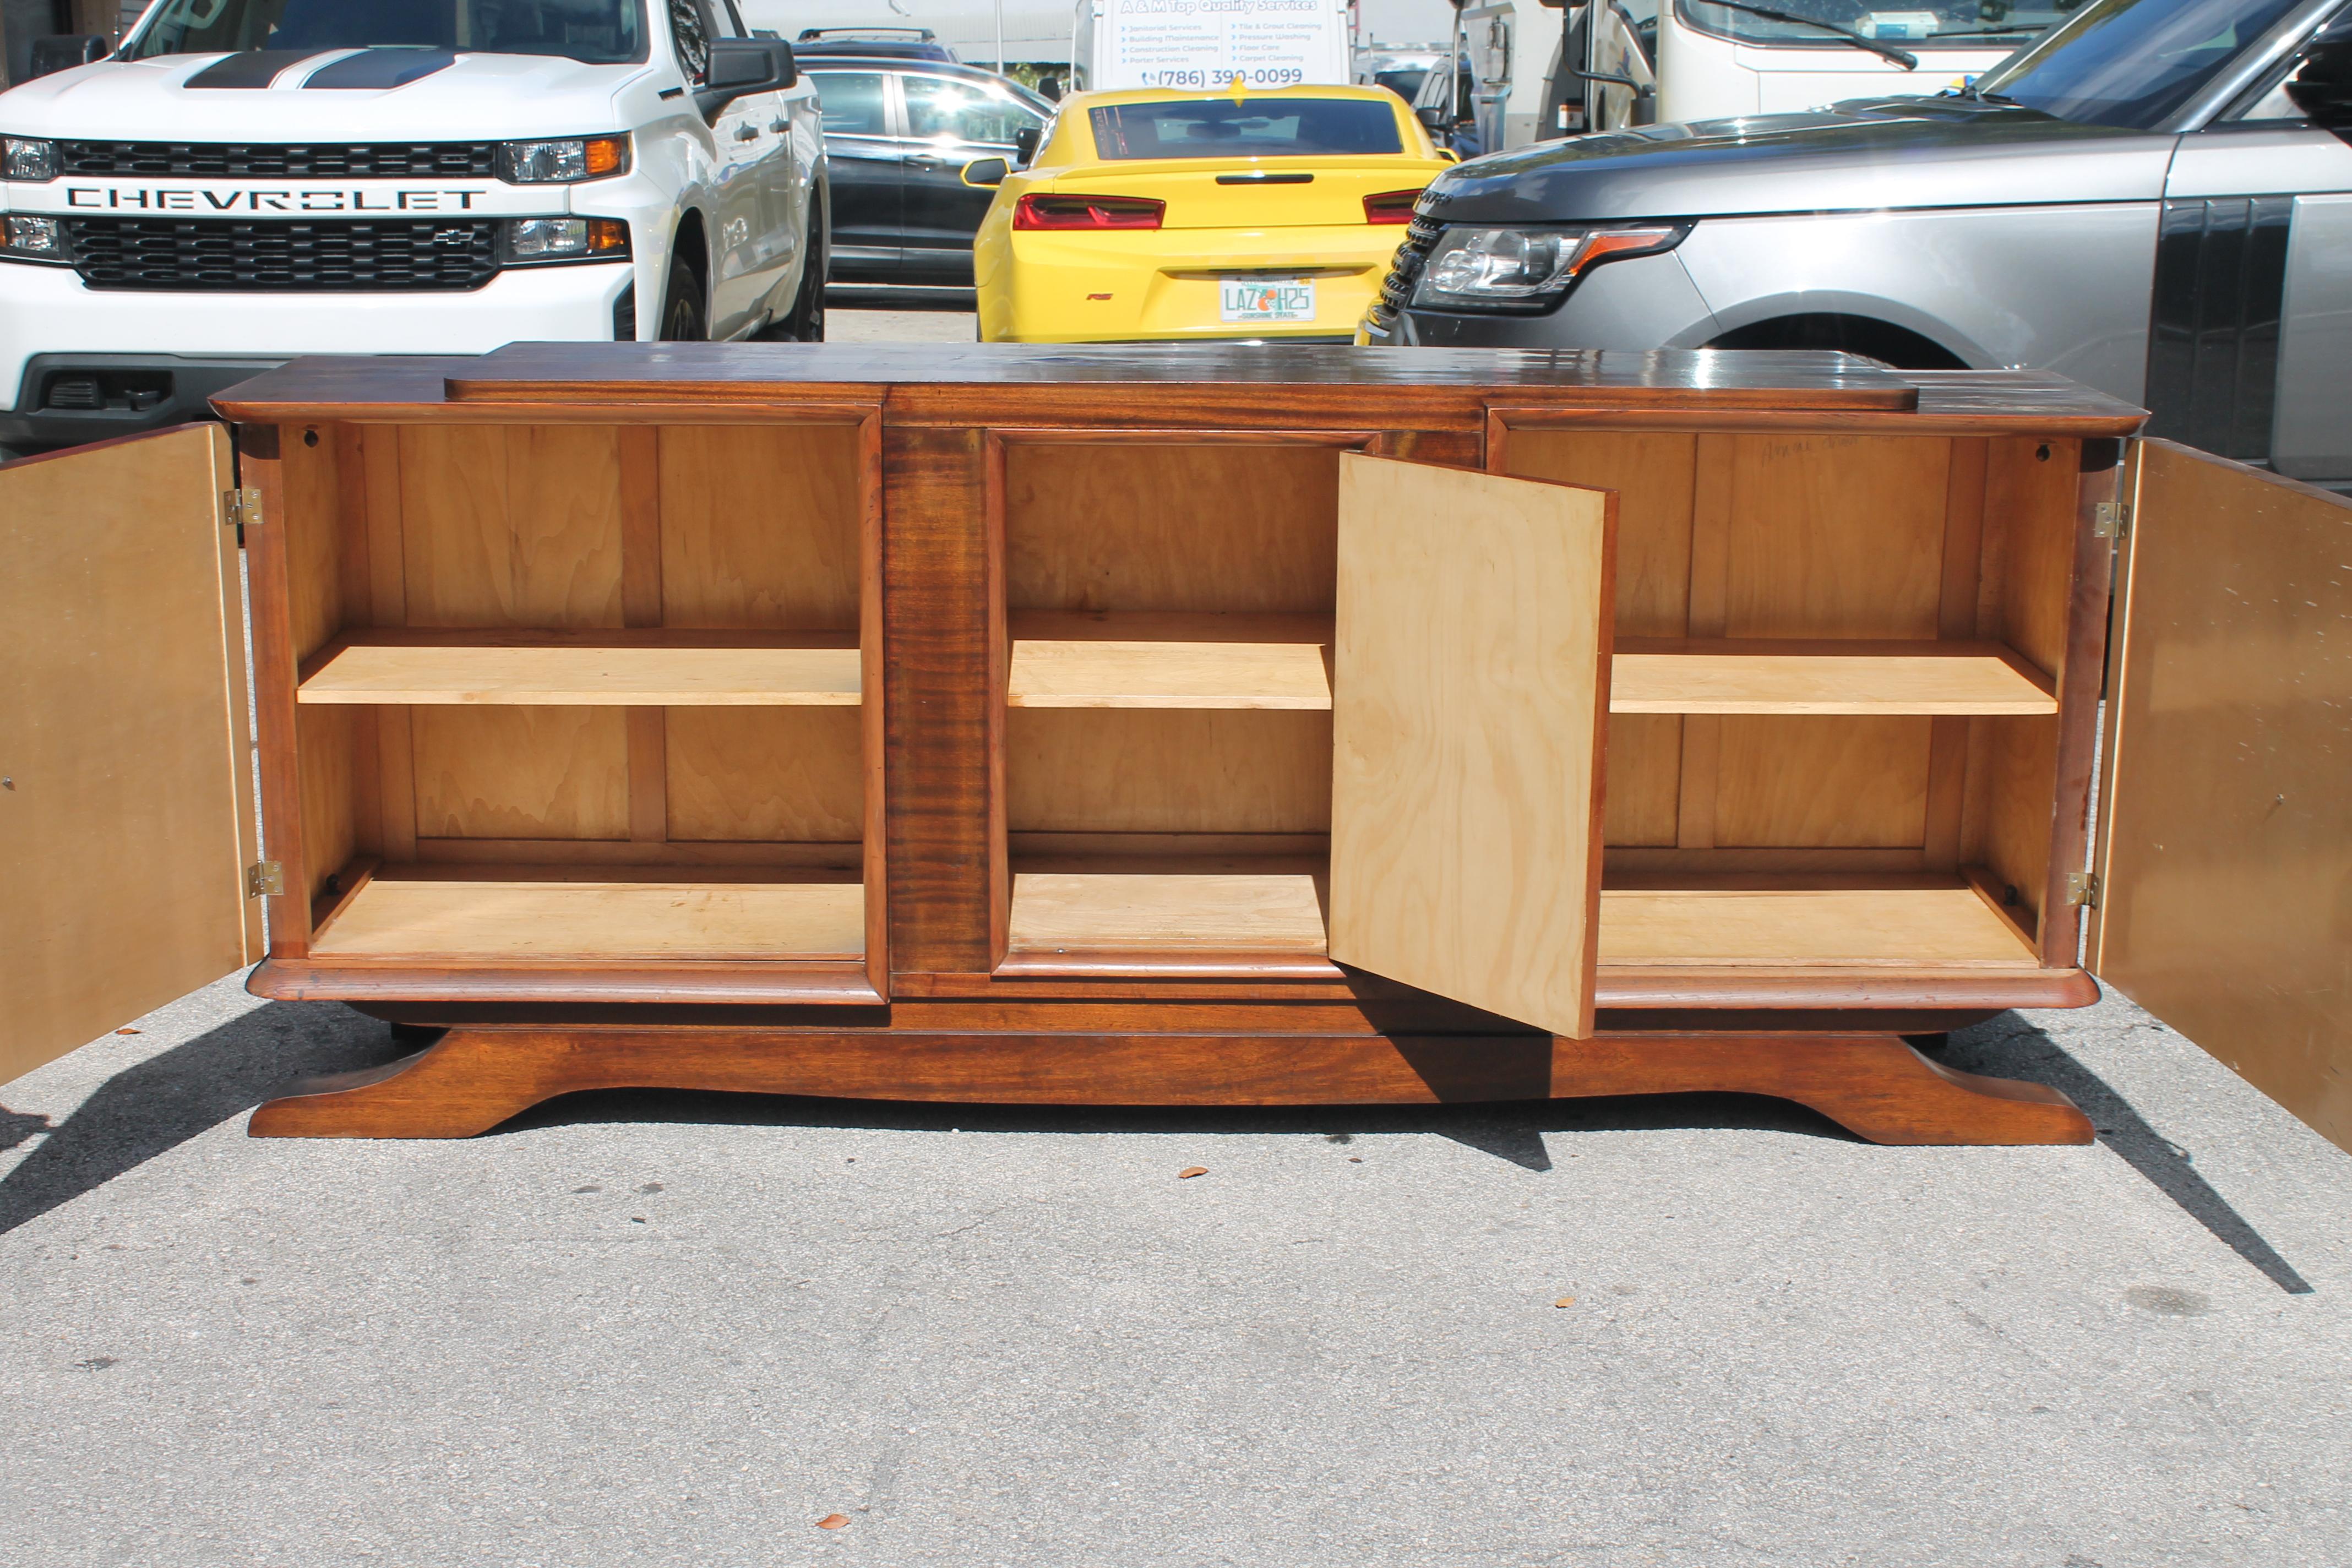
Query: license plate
1265, 298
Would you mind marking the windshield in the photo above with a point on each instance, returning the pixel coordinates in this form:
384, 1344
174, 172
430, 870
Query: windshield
2131, 62
596, 32
1223, 128
1995, 26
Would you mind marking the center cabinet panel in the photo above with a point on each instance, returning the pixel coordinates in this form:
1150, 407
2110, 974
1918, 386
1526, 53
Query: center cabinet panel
1835, 691
580, 693
1166, 718
1270, 702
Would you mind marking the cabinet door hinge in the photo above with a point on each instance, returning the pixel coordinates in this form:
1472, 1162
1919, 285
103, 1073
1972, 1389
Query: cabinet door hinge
2082, 890
267, 881
2111, 520
241, 507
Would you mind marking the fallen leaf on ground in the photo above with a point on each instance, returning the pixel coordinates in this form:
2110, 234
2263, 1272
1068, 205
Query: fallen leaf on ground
1189, 1171
126, 1031
1565, 1301
833, 1522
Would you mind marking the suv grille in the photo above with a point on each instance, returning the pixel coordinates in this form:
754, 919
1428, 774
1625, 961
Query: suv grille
1396, 289
202, 254
195, 159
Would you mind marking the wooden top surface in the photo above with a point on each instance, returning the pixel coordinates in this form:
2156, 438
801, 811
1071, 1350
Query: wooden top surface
1007, 384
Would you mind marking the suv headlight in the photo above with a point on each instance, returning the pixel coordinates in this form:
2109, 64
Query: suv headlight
563, 163
528, 241
1526, 270
29, 238
27, 159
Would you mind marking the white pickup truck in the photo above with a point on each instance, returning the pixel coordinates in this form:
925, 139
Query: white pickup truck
245, 181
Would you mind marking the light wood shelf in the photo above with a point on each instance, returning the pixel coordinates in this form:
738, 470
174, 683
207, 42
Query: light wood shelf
1841, 928
1170, 661
422, 914
1273, 905
1237, 661
665, 669
1755, 675
1110, 905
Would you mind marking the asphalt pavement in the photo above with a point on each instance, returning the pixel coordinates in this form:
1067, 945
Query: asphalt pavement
672, 1329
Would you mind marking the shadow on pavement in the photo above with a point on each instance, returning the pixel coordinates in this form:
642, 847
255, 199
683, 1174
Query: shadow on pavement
153, 1107
2008, 1046
163, 1102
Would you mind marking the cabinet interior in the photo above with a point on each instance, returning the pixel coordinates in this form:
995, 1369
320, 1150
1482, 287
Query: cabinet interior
1833, 721
587, 692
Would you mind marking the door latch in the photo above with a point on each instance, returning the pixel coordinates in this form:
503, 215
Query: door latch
266, 881
241, 507
2111, 520
2082, 890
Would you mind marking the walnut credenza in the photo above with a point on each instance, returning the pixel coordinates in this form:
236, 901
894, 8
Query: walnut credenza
1228, 726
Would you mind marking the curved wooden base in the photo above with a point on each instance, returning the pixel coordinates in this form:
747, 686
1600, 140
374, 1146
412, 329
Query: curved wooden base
476, 1077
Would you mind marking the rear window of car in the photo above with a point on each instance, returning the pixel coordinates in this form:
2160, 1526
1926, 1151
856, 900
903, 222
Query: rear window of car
1221, 128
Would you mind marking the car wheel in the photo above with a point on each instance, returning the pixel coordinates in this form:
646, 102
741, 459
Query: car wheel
805, 322
683, 317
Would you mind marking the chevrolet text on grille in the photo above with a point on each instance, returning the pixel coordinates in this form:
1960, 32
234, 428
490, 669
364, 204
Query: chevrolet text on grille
100, 198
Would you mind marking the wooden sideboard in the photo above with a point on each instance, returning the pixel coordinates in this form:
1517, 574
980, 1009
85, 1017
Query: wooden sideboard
1221, 726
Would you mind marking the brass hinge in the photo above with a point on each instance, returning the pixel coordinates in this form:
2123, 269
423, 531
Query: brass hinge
241, 507
2111, 520
2082, 890
267, 881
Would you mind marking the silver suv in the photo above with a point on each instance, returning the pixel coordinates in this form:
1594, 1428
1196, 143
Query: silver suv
2155, 197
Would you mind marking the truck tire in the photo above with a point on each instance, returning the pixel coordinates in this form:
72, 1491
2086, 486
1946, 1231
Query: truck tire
684, 318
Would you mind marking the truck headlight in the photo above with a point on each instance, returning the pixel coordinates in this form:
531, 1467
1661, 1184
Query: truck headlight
24, 238
27, 159
528, 241
1526, 270
563, 163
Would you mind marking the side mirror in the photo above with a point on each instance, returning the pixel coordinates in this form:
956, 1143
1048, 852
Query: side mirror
2323, 87
1432, 116
985, 174
740, 66
63, 51
1025, 142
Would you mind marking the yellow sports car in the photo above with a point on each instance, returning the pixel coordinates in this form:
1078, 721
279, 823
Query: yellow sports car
1157, 213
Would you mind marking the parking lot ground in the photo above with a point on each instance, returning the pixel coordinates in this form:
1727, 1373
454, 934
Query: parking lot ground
675, 1329
875, 316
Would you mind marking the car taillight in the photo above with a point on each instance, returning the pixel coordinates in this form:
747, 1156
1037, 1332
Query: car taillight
1086, 212
1390, 207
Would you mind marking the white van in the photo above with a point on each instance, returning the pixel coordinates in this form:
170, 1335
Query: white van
245, 181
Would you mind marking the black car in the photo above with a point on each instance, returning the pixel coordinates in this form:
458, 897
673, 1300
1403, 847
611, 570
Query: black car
898, 133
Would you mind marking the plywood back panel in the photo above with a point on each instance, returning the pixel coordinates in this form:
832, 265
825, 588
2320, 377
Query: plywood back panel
776, 775
1821, 782
1834, 536
1654, 473
2030, 491
2227, 851
126, 822
760, 526
1470, 705
1203, 525
520, 772
511, 526
1155, 770
1645, 763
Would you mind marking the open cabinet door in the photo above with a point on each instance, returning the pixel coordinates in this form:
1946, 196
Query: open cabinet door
2224, 854
126, 796
1470, 696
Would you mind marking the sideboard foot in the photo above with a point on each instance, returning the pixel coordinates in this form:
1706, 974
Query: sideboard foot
475, 1078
